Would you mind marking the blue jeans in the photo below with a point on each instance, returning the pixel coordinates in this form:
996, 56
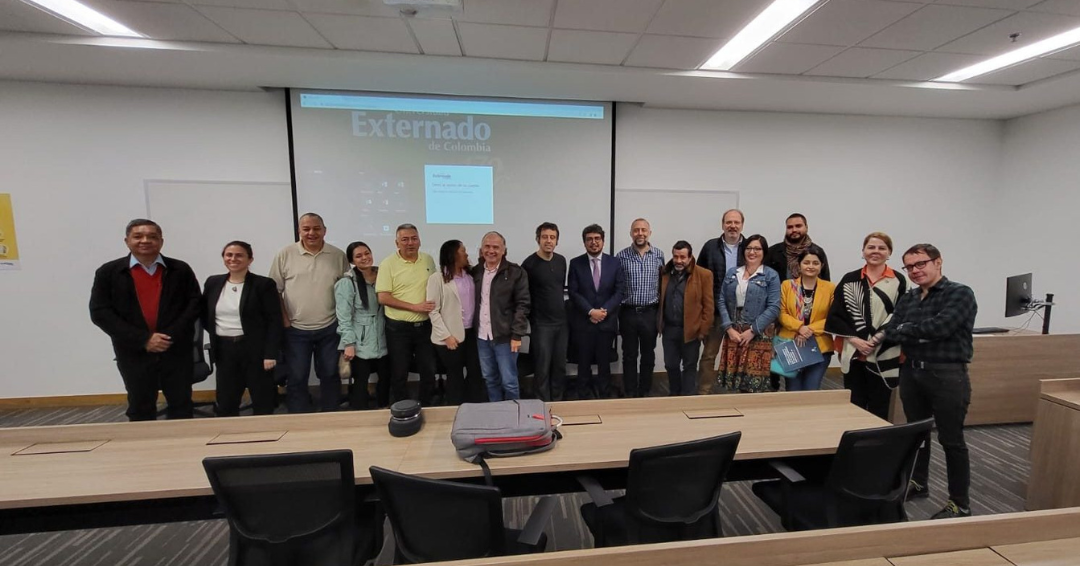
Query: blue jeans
300, 346
809, 377
499, 367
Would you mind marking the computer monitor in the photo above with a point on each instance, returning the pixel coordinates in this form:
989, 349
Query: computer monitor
1018, 295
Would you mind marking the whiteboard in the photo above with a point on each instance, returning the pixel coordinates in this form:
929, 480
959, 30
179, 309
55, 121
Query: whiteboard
673, 214
198, 218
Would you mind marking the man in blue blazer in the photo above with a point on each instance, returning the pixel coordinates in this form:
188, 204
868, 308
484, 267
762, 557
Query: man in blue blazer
595, 282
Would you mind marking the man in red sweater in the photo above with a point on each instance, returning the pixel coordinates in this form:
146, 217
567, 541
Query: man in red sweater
148, 303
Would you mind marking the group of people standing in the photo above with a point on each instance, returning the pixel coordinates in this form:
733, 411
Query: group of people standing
408, 314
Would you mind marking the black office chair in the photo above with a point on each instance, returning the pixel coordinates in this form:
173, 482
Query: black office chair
204, 366
672, 493
436, 520
295, 509
866, 483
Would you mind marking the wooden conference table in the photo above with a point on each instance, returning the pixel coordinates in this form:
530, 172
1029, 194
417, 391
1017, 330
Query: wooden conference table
1055, 447
1042, 538
63, 477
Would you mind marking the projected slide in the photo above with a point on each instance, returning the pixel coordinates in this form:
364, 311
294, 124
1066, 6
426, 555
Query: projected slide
459, 194
455, 167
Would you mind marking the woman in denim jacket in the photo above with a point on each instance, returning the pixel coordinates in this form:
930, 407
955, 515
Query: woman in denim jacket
362, 327
749, 304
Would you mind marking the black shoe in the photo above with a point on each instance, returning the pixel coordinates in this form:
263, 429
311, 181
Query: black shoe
952, 511
916, 491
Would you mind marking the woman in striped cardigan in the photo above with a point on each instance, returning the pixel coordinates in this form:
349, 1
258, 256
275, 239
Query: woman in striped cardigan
863, 303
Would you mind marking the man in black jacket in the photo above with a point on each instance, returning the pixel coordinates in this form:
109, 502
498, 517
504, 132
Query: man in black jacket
148, 303
502, 317
719, 255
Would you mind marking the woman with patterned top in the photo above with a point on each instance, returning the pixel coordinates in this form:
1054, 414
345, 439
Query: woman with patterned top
749, 303
863, 302
804, 305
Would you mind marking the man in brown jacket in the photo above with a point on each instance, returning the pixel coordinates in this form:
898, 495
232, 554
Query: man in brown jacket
686, 314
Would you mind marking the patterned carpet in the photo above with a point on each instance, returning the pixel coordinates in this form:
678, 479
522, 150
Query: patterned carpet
999, 466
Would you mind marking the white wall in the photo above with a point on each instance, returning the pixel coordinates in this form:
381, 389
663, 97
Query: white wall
75, 160
918, 180
1035, 224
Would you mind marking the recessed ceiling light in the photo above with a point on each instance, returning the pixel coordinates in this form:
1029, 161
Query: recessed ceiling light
769, 22
1048, 45
84, 17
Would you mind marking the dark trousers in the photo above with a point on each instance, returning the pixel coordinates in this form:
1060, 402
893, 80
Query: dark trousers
680, 361
300, 347
361, 373
944, 393
868, 389
238, 365
145, 373
547, 346
464, 382
408, 341
593, 347
637, 325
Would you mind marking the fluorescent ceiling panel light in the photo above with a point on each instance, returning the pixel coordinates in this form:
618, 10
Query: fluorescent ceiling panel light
764, 27
1013, 57
85, 17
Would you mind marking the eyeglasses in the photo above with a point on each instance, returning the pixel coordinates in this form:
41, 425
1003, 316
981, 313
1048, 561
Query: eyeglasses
749, 249
917, 265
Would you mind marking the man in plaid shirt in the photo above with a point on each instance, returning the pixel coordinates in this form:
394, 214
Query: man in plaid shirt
932, 323
638, 320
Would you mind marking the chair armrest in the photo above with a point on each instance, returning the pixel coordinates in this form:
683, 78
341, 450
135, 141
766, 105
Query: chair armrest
786, 472
595, 490
539, 518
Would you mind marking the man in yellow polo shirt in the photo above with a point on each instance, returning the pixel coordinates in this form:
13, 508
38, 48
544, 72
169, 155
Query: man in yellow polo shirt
402, 288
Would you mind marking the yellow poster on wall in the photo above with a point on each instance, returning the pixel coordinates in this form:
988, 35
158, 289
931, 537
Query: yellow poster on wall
9, 248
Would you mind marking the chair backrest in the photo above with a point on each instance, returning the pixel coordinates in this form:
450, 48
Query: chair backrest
678, 484
874, 465
437, 520
203, 369
288, 508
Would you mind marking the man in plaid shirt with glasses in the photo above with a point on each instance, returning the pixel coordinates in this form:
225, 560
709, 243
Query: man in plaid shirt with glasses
932, 323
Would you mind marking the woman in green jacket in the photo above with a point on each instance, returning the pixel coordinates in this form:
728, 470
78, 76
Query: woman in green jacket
362, 327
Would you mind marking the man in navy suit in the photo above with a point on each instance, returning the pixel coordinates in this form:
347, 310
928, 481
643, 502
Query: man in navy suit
595, 281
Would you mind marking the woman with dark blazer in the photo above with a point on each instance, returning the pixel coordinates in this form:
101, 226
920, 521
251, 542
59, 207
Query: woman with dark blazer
242, 315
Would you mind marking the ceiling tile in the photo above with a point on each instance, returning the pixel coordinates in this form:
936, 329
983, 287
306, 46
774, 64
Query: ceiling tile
1002, 4
352, 7
862, 62
669, 52
362, 33
933, 26
606, 15
503, 42
597, 47
513, 12
252, 4
437, 37
1070, 54
16, 16
266, 27
787, 58
994, 38
704, 18
1027, 72
1067, 7
928, 66
847, 22
169, 22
